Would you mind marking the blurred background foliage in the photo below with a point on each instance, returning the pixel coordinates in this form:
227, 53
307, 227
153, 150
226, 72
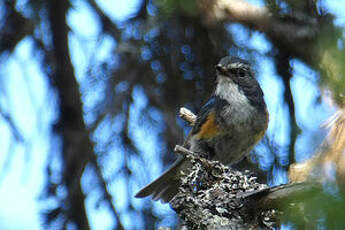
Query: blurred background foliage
114, 85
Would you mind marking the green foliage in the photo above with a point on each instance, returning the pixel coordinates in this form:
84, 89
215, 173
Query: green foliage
315, 210
333, 68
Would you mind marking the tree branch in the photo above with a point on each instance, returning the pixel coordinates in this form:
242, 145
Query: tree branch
297, 33
76, 145
260, 18
15, 28
13, 127
187, 115
107, 24
239, 11
282, 62
107, 196
212, 196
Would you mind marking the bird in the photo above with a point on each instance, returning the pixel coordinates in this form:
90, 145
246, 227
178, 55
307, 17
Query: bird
228, 126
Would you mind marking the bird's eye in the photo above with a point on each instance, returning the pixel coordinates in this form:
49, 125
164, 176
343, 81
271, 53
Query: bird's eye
241, 73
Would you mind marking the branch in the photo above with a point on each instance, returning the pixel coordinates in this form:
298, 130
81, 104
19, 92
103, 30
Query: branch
187, 115
107, 196
235, 10
12, 126
260, 18
192, 155
297, 32
15, 28
212, 196
282, 62
76, 145
107, 24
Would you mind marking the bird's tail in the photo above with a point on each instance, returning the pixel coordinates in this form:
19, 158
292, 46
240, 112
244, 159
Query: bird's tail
166, 186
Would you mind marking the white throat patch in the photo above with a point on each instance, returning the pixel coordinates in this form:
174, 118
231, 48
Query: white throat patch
240, 108
228, 90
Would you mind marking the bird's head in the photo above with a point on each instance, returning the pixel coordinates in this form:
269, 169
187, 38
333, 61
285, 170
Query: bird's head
236, 79
234, 68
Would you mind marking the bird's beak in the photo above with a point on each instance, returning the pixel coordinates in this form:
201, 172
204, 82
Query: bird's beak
221, 69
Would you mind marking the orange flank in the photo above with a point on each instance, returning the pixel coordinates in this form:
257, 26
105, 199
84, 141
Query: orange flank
261, 134
209, 128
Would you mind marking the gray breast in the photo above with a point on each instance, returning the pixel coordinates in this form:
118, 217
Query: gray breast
242, 124
238, 110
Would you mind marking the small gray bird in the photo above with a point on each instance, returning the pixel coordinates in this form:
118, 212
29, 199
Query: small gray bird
228, 126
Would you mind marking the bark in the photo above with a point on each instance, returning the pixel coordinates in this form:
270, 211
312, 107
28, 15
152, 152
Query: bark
213, 196
78, 149
76, 146
15, 27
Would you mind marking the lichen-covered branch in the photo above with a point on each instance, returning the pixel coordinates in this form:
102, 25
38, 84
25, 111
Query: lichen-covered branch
213, 196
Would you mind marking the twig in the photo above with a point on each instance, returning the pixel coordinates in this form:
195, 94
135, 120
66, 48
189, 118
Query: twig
15, 131
107, 195
107, 24
282, 62
201, 157
187, 115
184, 151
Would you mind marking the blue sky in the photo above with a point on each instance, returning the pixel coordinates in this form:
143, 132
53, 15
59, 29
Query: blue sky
22, 165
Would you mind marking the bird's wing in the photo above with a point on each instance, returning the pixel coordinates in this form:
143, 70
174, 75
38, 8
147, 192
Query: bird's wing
205, 125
